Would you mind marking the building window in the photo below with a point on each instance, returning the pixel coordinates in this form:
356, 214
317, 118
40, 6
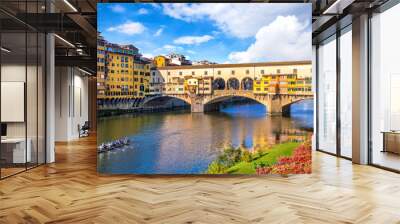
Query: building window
295, 71
233, 72
168, 73
262, 72
180, 73
205, 72
247, 72
278, 71
219, 72
193, 73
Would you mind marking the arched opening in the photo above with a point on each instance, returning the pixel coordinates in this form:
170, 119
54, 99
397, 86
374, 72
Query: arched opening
301, 109
161, 103
247, 83
218, 84
233, 83
237, 106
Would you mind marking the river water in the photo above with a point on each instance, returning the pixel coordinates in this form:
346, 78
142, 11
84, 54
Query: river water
181, 142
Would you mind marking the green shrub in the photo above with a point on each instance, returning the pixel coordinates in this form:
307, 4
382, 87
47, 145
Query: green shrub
246, 156
216, 168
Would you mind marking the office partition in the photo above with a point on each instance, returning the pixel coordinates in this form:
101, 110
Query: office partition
22, 77
385, 89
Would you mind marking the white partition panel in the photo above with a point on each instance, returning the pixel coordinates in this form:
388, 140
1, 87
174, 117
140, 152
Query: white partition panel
346, 94
12, 101
327, 96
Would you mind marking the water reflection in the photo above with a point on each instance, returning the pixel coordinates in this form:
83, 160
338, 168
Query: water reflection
184, 142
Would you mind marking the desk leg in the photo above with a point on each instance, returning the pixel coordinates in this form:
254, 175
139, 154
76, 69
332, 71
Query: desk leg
384, 142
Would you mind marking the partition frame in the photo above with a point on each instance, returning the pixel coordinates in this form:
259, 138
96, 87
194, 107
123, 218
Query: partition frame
339, 32
44, 95
382, 8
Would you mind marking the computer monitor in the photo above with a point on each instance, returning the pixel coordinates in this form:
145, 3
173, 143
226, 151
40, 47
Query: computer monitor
3, 130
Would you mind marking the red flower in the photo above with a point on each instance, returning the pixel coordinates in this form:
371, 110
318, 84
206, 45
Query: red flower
298, 163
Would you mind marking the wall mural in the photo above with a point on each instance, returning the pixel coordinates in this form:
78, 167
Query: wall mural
201, 88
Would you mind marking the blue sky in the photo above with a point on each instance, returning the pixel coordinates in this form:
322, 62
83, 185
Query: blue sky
223, 33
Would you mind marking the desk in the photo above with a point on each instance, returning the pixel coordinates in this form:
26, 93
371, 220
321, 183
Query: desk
15, 148
391, 141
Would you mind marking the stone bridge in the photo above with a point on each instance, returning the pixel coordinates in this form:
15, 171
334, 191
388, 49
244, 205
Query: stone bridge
275, 103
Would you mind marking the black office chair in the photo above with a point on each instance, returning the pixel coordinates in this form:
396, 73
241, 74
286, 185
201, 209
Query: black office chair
84, 130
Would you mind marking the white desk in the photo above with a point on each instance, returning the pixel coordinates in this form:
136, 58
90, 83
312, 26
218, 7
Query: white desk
19, 155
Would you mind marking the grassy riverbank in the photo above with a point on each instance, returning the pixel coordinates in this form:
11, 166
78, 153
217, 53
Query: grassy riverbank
241, 161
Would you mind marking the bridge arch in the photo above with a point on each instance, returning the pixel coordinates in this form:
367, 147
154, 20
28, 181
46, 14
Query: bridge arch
223, 98
247, 83
218, 84
286, 106
294, 101
150, 100
223, 95
233, 83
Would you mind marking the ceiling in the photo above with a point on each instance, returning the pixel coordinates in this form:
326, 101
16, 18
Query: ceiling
76, 22
332, 15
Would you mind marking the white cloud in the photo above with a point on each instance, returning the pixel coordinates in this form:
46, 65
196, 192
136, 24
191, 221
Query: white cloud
148, 55
189, 40
236, 19
129, 28
117, 8
155, 5
143, 11
191, 52
171, 47
286, 38
159, 32
215, 32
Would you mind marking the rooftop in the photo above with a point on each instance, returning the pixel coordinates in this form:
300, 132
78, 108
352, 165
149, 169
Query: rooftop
256, 64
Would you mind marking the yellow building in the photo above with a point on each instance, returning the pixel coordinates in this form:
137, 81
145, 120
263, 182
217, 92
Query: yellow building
303, 85
160, 61
127, 76
101, 88
282, 84
119, 76
261, 85
292, 83
141, 78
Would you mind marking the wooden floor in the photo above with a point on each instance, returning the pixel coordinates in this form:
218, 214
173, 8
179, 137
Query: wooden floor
70, 191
